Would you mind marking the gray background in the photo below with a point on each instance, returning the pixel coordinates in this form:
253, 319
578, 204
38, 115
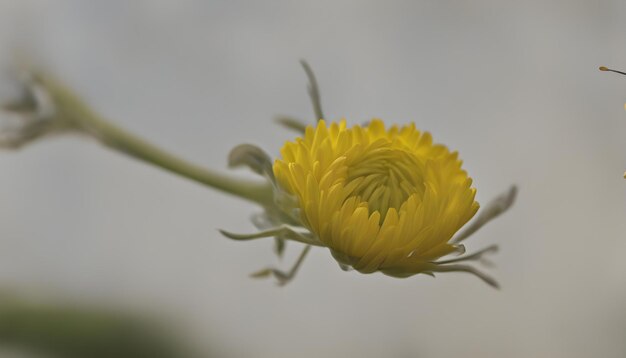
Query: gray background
512, 85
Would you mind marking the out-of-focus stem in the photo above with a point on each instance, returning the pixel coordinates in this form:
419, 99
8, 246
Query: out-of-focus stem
83, 118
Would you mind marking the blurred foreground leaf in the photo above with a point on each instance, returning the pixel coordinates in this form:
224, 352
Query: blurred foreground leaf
66, 331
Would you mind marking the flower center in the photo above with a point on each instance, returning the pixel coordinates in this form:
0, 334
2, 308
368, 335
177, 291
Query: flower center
385, 177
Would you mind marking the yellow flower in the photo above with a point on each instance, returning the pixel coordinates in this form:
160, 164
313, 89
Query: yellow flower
387, 200
380, 199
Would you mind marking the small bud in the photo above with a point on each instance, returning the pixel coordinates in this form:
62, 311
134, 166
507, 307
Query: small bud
606, 69
28, 112
253, 157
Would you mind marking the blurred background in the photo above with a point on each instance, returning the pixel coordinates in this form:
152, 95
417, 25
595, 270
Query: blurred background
513, 86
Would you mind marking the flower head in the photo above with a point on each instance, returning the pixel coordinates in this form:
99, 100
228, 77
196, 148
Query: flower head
380, 199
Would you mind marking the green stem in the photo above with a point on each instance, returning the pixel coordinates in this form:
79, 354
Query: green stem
314, 91
78, 115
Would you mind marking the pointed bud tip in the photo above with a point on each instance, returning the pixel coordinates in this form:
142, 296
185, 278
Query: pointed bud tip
606, 69
261, 274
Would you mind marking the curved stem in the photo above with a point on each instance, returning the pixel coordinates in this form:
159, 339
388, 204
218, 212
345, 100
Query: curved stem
83, 118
